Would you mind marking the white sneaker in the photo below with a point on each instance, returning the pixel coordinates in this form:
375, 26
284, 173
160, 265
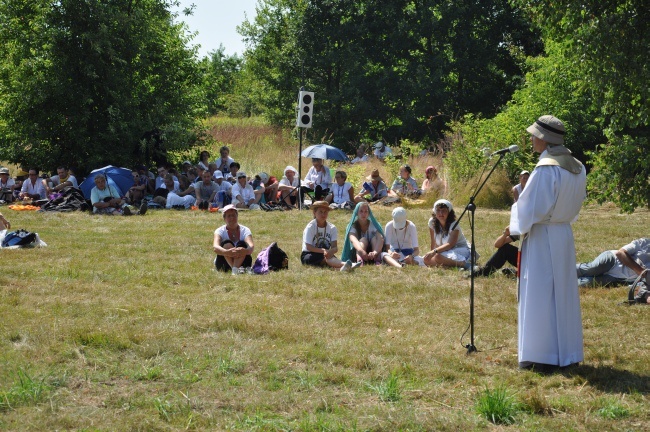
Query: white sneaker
254, 207
356, 265
347, 266
235, 270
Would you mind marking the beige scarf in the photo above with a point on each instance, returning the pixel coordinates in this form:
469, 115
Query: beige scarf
558, 155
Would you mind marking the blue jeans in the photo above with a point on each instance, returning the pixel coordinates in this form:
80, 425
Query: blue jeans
593, 273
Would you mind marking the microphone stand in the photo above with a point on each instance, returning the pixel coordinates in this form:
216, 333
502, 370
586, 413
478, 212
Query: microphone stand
471, 207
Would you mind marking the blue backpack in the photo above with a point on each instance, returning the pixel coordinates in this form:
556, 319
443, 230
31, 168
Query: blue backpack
20, 238
269, 259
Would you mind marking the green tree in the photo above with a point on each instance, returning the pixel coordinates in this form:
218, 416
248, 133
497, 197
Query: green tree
91, 82
388, 70
220, 74
608, 42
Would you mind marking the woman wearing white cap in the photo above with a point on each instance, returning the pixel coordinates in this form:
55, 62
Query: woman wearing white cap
289, 186
402, 240
233, 243
449, 248
549, 325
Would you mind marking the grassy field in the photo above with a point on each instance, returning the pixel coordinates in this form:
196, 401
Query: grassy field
121, 324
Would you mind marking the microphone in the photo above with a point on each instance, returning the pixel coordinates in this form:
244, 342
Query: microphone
511, 149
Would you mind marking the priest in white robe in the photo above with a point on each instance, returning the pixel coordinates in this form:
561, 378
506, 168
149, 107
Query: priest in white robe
550, 323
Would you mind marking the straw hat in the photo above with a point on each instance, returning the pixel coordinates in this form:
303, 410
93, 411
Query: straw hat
320, 204
374, 176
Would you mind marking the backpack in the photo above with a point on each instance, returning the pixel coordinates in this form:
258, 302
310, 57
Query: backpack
20, 238
271, 258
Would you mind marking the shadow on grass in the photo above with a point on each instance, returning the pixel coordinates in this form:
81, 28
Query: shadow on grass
611, 380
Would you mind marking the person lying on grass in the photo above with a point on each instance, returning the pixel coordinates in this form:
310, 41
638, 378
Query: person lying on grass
449, 248
364, 236
233, 243
319, 241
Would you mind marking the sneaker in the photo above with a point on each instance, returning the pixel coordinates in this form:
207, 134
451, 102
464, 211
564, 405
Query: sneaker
254, 207
467, 265
143, 208
347, 266
235, 270
247, 270
356, 265
126, 211
509, 272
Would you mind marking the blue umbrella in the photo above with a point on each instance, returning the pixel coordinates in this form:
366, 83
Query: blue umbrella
120, 178
324, 151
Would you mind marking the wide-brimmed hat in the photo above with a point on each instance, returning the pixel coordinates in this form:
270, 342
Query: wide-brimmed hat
378, 145
548, 128
228, 208
524, 172
320, 204
4, 170
399, 217
374, 176
443, 202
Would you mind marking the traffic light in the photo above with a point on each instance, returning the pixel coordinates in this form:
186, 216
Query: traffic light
305, 109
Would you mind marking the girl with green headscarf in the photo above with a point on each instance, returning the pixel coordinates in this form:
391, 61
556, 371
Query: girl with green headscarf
364, 236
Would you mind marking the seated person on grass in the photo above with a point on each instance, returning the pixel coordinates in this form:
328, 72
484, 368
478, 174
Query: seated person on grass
617, 267
204, 160
402, 241
364, 237
433, 183
319, 241
224, 192
61, 180
33, 187
233, 243
173, 198
341, 193
449, 248
243, 195
7, 185
404, 184
105, 199
506, 252
224, 161
205, 191
231, 176
317, 180
373, 189
289, 186
270, 186
136, 193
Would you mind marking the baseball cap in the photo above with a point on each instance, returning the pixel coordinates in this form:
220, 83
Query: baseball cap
399, 217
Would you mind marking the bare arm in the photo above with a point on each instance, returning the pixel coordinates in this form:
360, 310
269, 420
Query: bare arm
625, 259
503, 239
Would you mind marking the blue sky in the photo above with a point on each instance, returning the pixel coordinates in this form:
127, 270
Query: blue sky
216, 22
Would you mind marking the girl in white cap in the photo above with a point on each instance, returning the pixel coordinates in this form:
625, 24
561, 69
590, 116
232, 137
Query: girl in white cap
449, 248
402, 240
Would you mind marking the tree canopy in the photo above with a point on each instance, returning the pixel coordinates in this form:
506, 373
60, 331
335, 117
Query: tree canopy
391, 70
91, 82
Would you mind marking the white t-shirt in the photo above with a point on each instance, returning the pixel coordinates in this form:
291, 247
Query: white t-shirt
225, 186
368, 235
10, 182
56, 180
440, 239
639, 250
285, 182
358, 159
406, 238
382, 154
222, 232
319, 237
322, 177
246, 192
340, 194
